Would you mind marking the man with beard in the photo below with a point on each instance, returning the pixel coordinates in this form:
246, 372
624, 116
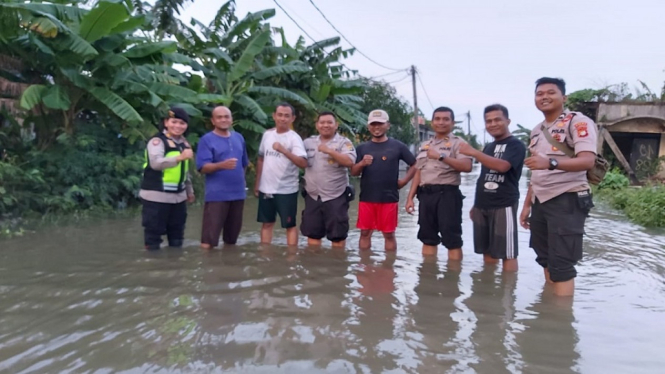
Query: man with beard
437, 183
222, 158
329, 155
378, 162
559, 197
494, 212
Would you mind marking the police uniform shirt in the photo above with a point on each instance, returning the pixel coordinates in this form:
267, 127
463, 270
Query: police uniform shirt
579, 133
435, 171
159, 162
324, 177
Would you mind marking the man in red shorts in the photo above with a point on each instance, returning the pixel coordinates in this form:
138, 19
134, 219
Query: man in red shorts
378, 162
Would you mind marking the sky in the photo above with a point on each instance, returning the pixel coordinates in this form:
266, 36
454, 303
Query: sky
478, 52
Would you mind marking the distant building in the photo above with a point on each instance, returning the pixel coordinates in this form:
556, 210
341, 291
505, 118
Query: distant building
634, 132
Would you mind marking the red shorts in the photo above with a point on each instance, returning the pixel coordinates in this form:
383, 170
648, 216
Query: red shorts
377, 216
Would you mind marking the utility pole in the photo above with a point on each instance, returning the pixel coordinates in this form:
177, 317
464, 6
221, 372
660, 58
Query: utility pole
468, 123
415, 100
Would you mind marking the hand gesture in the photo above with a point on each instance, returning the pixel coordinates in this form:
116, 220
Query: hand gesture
186, 154
325, 149
410, 206
277, 146
537, 162
229, 164
524, 217
433, 154
367, 160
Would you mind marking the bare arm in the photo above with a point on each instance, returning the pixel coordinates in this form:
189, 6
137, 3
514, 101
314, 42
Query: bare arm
341, 158
300, 162
463, 165
357, 169
409, 175
490, 162
414, 185
259, 170
582, 162
526, 209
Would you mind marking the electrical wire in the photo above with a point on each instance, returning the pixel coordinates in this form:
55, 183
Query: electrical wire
348, 41
294, 21
425, 90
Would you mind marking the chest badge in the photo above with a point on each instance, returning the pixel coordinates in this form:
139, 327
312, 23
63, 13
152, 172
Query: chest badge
330, 161
384, 158
171, 143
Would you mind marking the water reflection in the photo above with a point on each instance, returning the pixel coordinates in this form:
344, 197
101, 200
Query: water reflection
492, 302
548, 343
85, 298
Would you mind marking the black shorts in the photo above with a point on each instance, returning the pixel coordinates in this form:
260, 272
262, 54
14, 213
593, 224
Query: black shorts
285, 205
329, 219
440, 215
495, 232
557, 228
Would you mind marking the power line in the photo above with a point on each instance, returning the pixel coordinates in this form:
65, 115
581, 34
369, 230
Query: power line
424, 89
399, 80
347, 40
387, 74
303, 30
294, 21
304, 21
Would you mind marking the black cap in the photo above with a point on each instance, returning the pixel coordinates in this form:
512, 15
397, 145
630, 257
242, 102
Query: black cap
178, 113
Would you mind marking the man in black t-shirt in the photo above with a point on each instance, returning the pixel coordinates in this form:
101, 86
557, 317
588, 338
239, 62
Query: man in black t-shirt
378, 162
494, 213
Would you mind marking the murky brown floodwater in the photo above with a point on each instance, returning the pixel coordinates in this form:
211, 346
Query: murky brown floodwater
88, 299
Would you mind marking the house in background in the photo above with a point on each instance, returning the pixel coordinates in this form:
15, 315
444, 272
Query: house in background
635, 133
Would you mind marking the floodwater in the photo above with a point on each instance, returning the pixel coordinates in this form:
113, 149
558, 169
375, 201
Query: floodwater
87, 299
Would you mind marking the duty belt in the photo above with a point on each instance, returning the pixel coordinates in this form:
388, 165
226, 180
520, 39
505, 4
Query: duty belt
437, 188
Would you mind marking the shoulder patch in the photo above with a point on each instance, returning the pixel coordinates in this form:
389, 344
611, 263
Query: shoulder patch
156, 141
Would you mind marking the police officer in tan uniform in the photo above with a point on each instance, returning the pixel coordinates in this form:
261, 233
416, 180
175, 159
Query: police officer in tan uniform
559, 197
438, 167
329, 155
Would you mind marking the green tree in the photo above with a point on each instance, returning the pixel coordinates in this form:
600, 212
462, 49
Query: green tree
381, 95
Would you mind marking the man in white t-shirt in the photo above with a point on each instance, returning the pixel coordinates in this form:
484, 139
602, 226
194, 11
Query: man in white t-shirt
281, 153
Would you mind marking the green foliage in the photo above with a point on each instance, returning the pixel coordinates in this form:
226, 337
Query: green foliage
523, 134
380, 95
643, 205
614, 180
94, 168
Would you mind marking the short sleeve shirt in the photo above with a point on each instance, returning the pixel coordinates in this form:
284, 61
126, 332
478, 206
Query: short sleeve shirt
580, 133
378, 183
223, 185
279, 174
500, 190
324, 177
435, 171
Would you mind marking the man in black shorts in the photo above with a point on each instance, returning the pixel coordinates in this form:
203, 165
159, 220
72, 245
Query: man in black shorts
329, 155
494, 213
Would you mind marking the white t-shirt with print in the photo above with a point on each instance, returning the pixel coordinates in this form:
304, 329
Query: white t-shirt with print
280, 175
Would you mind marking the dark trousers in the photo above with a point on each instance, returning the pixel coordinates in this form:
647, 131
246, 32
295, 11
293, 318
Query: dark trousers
440, 215
163, 219
222, 215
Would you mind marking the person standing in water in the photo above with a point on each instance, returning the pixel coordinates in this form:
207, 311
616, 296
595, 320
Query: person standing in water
222, 157
166, 187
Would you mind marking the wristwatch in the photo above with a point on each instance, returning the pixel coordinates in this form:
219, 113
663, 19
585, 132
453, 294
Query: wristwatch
441, 156
553, 163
